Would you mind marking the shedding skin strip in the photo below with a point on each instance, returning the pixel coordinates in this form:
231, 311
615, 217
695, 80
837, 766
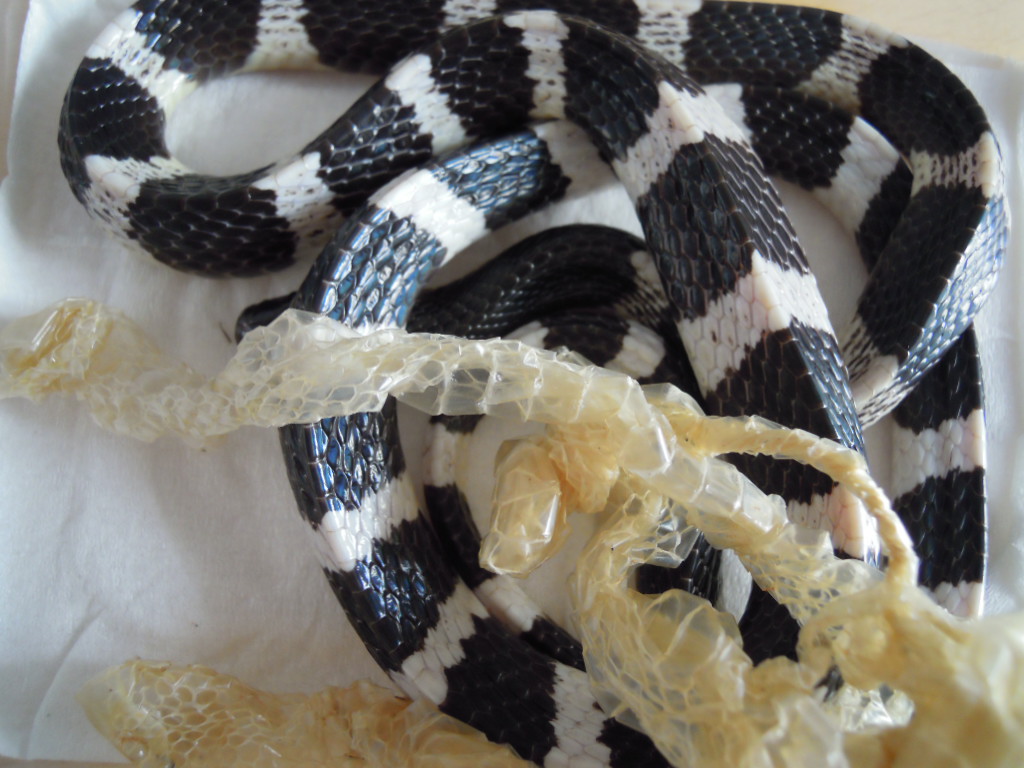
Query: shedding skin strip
879, 630
194, 717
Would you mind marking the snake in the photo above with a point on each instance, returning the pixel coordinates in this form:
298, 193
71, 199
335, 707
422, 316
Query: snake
690, 103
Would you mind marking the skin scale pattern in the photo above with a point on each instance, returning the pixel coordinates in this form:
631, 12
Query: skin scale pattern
324, 294
371, 468
554, 276
240, 224
328, 298
405, 597
580, 288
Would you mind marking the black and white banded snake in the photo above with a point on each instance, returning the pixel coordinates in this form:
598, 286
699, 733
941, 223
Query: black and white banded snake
826, 30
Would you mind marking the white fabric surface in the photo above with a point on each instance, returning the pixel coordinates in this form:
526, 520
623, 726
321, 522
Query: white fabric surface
113, 549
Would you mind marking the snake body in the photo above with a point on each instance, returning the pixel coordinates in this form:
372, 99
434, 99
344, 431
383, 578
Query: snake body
933, 227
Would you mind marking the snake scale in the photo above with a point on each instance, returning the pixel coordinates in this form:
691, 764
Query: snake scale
691, 103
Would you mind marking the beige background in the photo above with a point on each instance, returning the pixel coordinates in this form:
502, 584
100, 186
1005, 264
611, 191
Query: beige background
991, 26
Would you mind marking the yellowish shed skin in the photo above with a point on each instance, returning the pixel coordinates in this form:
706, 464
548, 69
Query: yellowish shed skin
671, 665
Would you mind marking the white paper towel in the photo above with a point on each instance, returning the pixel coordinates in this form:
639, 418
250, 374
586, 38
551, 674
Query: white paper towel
112, 549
